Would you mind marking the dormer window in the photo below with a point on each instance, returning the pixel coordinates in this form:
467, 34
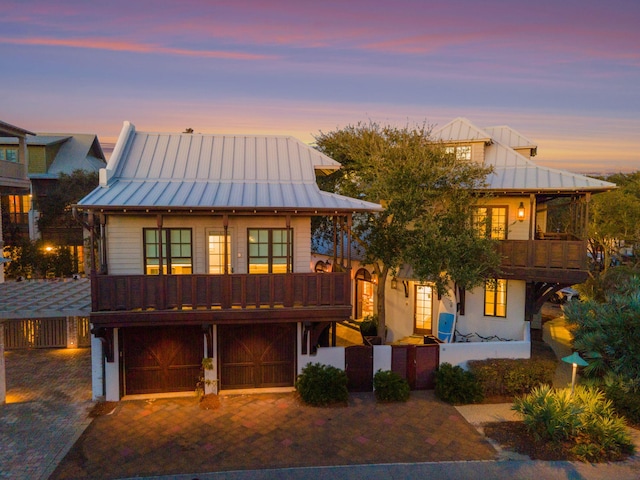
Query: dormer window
462, 152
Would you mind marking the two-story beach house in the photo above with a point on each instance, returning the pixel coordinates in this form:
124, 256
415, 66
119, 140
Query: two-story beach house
204, 252
494, 321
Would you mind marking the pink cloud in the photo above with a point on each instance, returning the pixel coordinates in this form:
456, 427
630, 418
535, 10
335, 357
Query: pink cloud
120, 46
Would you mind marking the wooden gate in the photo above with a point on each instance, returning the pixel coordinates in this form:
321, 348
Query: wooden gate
161, 359
257, 356
359, 368
83, 331
35, 333
417, 364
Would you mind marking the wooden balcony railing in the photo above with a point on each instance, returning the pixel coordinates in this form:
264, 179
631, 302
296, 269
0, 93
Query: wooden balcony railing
545, 260
208, 292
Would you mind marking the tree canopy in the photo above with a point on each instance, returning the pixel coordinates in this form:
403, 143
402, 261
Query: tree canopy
427, 195
68, 189
614, 218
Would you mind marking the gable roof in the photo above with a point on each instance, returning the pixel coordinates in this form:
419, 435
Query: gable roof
78, 151
216, 172
513, 172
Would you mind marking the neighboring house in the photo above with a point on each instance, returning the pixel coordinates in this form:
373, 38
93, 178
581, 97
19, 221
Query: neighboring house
13, 170
49, 155
206, 253
13, 180
495, 319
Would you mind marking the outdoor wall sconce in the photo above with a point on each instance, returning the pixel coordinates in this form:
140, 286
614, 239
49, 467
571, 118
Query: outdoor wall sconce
394, 283
521, 212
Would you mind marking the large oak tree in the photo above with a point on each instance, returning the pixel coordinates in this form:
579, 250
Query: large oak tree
427, 194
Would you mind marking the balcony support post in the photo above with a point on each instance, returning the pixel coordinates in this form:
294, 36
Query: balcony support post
532, 215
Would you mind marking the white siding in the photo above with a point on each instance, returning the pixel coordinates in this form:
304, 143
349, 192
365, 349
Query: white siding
125, 242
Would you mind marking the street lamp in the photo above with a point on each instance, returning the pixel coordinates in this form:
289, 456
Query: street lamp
575, 360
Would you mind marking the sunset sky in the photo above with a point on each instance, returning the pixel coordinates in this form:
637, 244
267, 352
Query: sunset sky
565, 73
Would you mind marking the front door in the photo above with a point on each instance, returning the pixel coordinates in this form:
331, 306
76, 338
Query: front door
219, 250
257, 356
423, 312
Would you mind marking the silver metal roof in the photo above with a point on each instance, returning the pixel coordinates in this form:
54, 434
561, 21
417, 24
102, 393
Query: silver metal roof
509, 137
512, 171
155, 170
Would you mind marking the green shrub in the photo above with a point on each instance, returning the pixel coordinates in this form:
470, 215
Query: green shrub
369, 326
457, 386
390, 387
625, 396
510, 377
586, 419
321, 385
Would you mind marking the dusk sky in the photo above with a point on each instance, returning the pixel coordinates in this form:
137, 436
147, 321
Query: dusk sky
565, 73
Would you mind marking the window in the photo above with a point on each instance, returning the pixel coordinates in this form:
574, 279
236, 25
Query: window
176, 251
462, 152
491, 222
19, 206
9, 154
270, 250
495, 298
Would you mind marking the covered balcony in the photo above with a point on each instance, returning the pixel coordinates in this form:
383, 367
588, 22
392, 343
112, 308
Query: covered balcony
128, 300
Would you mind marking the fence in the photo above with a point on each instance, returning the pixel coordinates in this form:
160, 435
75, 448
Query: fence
58, 332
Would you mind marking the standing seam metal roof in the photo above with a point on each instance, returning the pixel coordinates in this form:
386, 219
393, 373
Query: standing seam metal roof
151, 170
513, 171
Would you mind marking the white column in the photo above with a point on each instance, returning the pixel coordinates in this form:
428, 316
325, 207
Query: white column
97, 372
112, 373
3, 377
1, 250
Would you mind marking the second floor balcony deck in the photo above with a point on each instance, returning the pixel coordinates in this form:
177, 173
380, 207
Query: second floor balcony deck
555, 260
128, 299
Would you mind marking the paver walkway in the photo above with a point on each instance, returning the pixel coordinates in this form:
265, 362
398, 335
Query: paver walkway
268, 431
48, 398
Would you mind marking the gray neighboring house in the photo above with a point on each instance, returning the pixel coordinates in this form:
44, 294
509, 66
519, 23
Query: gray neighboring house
49, 155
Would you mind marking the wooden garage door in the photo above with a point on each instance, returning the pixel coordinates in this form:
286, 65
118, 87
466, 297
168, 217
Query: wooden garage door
257, 356
161, 359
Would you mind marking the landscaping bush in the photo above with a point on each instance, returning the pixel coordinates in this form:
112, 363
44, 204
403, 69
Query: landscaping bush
321, 385
586, 419
457, 386
510, 377
390, 387
625, 396
369, 326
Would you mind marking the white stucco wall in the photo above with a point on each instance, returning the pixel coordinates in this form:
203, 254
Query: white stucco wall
461, 353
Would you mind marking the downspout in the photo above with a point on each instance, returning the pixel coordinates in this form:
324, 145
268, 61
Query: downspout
225, 224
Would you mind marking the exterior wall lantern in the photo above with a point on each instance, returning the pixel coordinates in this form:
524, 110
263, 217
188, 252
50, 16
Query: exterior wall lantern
521, 211
394, 283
